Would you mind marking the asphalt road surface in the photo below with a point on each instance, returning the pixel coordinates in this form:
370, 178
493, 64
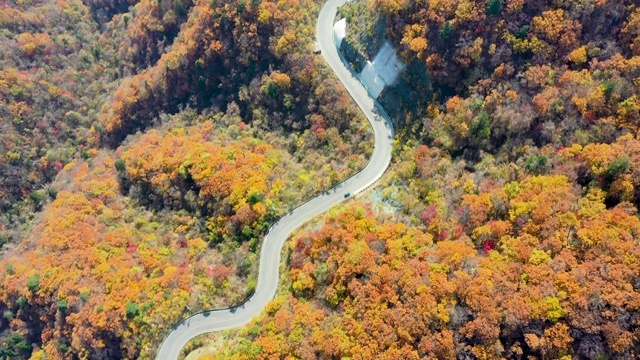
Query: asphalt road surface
269, 275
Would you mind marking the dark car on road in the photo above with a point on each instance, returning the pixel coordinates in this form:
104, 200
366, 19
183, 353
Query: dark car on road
347, 195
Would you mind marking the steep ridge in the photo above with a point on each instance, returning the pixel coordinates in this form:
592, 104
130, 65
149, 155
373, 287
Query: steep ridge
269, 274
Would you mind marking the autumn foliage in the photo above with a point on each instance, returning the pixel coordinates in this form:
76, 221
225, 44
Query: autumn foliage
146, 146
493, 76
541, 268
223, 46
93, 259
109, 236
137, 239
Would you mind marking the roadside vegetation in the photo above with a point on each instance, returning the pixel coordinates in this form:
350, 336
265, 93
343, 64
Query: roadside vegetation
146, 146
508, 225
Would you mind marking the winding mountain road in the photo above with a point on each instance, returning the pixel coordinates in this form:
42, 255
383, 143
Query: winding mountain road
269, 274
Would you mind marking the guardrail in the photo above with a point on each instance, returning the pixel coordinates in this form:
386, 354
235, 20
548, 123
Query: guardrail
381, 112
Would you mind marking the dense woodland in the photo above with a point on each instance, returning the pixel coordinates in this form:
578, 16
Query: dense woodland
540, 267
508, 226
145, 148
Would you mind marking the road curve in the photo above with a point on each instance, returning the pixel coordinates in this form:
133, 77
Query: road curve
269, 275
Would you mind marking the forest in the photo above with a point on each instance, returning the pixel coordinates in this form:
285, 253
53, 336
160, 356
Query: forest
508, 225
146, 146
